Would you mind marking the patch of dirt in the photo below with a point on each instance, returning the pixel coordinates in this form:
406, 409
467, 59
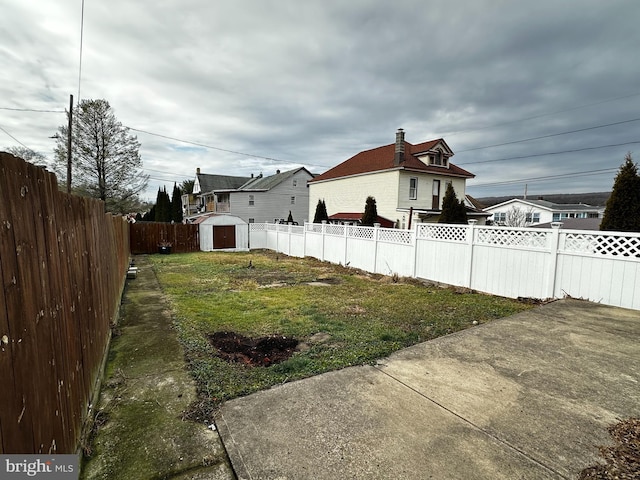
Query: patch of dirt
623, 459
262, 352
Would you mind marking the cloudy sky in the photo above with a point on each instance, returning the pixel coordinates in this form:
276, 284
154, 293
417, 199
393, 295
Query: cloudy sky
544, 93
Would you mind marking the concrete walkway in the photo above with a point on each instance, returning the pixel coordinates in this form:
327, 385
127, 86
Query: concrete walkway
146, 390
526, 397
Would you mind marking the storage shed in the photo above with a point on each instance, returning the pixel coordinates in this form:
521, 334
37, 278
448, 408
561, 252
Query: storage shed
224, 232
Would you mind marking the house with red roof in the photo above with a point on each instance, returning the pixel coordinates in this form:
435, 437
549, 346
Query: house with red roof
408, 182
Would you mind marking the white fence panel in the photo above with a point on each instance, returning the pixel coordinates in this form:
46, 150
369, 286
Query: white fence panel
601, 267
361, 253
513, 262
395, 258
313, 244
510, 272
442, 261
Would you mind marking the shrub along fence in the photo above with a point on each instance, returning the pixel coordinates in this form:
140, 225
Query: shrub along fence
148, 237
63, 264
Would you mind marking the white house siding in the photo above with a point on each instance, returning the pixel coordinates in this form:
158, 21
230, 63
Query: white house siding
349, 194
425, 184
274, 203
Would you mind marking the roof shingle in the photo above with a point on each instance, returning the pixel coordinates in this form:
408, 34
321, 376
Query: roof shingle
381, 158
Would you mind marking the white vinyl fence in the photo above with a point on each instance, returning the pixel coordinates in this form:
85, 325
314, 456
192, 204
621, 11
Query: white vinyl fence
512, 262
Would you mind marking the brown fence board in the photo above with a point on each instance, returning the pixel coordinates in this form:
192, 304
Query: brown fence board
63, 263
145, 237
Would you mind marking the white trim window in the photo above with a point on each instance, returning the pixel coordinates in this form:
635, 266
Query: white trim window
252, 200
293, 200
413, 188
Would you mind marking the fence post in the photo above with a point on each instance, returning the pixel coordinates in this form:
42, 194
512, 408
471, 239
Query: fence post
470, 241
415, 250
553, 263
324, 232
304, 240
346, 240
375, 246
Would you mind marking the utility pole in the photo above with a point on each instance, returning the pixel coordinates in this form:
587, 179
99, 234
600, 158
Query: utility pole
69, 144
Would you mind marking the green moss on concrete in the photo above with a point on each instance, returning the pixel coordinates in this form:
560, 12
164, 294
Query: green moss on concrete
145, 392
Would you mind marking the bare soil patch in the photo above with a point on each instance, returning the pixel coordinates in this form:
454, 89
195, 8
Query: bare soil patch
263, 351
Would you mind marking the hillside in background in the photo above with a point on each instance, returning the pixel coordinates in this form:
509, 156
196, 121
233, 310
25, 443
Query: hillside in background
594, 199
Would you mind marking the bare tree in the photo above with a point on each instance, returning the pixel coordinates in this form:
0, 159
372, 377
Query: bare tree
516, 217
106, 163
28, 155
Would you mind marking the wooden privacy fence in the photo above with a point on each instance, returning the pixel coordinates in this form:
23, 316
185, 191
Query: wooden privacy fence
63, 263
146, 237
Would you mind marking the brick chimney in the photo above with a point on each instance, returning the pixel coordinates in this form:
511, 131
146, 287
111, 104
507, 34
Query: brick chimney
398, 156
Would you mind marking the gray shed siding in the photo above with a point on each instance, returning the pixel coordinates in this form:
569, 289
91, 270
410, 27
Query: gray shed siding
275, 203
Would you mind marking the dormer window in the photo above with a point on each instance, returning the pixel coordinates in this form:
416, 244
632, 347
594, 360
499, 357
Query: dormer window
438, 159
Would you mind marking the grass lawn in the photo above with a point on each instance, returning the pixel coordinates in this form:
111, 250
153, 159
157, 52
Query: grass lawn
363, 317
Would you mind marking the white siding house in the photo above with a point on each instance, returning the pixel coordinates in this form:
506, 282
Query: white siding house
405, 179
527, 213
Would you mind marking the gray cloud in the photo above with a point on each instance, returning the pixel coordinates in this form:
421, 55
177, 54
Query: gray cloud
313, 83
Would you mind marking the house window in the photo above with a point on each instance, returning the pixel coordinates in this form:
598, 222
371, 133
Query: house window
438, 159
413, 188
252, 220
293, 200
295, 183
251, 200
556, 217
500, 217
533, 217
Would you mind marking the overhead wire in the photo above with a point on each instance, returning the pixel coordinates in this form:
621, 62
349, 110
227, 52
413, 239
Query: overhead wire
542, 115
549, 135
548, 177
549, 153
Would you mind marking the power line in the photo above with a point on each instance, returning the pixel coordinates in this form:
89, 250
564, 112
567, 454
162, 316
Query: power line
207, 146
17, 140
548, 177
31, 110
550, 153
204, 145
550, 135
542, 115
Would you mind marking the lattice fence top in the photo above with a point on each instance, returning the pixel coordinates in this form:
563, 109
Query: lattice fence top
602, 244
443, 232
360, 232
313, 227
257, 227
395, 236
297, 229
334, 229
512, 237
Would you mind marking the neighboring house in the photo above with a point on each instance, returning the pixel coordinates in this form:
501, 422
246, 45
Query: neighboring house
258, 199
405, 179
528, 213
205, 186
475, 210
